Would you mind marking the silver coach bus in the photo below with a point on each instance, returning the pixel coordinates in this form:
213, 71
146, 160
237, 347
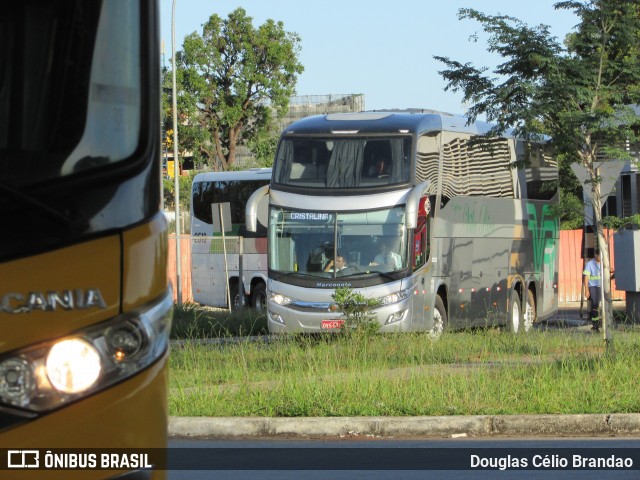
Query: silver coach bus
410, 208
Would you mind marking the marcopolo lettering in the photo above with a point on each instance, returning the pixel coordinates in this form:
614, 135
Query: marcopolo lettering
78, 299
333, 284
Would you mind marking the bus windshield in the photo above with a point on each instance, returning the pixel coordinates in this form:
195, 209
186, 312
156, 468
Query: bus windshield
337, 244
71, 88
235, 192
352, 162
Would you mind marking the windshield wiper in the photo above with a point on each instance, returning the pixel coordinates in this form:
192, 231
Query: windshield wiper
62, 217
370, 272
301, 275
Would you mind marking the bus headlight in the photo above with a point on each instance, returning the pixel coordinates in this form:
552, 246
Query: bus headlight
50, 375
279, 299
124, 341
73, 365
17, 381
395, 297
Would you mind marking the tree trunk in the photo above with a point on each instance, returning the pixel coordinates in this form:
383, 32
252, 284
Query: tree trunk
231, 156
234, 134
605, 269
219, 150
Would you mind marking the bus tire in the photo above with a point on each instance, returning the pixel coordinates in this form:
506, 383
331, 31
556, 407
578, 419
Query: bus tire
530, 311
259, 298
236, 303
515, 321
439, 319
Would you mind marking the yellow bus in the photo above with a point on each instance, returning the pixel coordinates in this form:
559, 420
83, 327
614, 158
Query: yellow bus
85, 303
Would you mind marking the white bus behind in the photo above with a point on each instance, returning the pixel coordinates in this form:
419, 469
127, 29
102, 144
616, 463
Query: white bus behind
213, 281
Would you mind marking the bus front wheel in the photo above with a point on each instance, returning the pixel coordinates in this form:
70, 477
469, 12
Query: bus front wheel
439, 319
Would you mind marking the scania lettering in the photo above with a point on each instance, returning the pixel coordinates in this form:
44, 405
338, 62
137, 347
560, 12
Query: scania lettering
67, 300
85, 302
446, 227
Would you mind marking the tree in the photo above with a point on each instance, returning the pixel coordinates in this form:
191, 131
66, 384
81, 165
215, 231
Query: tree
169, 189
264, 146
231, 79
578, 92
357, 312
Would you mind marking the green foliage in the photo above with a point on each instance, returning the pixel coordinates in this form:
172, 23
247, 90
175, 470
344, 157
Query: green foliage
192, 321
264, 146
231, 79
570, 92
571, 211
356, 312
169, 192
569, 183
617, 223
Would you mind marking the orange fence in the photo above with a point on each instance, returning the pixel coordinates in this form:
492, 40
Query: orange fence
185, 266
569, 275
571, 266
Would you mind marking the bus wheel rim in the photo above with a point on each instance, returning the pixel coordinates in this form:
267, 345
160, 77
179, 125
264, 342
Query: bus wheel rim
438, 327
515, 316
528, 318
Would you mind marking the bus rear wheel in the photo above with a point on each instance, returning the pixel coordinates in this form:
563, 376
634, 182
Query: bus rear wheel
236, 300
439, 319
515, 322
530, 313
259, 298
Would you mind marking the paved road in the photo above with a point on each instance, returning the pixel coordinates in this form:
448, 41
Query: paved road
569, 316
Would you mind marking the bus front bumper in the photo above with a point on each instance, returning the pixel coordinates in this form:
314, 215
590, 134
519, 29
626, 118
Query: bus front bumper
130, 415
282, 319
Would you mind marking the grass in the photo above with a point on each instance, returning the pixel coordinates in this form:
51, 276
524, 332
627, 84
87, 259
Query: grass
191, 321
465, 373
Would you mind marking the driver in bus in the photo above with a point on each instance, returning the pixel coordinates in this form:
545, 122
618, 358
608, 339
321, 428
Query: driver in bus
387, 256
379, 169
335, 266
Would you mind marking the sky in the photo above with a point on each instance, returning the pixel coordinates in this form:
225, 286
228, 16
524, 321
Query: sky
378, 48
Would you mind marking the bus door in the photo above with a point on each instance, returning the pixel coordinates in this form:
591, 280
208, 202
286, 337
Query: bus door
421, 263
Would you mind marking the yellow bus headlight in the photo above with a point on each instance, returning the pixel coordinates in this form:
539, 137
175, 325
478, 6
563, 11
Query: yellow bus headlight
73, 365
17, 381
49, 375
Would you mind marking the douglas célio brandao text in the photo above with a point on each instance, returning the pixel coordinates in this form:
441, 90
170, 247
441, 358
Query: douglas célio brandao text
550, 461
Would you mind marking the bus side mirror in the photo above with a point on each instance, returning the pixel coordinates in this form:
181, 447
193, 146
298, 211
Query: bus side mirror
413, 203
251, 210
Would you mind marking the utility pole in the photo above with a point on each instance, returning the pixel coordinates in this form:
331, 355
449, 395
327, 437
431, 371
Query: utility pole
176, 167
163, 133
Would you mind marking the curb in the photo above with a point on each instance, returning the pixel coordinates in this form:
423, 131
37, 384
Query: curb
617, 424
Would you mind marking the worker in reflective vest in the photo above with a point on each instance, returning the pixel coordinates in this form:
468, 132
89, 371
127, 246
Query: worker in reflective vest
592, 287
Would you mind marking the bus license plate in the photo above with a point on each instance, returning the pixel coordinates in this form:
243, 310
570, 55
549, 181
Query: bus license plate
332, 324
